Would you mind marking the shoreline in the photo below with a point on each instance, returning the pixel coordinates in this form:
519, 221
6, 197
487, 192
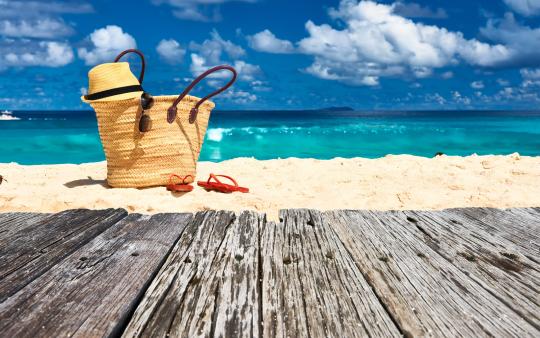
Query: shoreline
393, 182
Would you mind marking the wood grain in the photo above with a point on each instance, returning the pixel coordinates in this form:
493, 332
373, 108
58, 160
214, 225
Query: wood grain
12, 222
312, 287
93, 291
422, 290
44, 240
518, 226
208, 285
490, 260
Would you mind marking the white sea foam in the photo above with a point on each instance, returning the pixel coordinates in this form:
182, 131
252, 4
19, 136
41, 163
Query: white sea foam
8, 116
216, 134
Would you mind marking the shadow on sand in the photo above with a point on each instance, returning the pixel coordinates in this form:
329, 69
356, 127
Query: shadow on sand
85, 182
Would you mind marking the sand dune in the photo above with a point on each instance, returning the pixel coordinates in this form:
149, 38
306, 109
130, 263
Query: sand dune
392, 182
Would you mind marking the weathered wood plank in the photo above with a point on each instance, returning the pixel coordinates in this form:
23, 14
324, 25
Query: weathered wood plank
12, 222
422, 290
208, 285
312, 287
491, 261
517, 226
34, 249
92, 292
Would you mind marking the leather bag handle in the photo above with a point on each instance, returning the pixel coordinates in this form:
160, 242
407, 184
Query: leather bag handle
172, 111
138, 52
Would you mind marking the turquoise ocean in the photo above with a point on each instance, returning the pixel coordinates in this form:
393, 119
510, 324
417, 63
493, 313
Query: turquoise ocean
46, 137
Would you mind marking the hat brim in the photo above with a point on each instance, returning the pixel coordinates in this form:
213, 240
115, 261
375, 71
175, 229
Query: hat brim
118, 97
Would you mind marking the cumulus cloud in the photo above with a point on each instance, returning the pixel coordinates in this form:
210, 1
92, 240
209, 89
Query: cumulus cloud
239, 96
524, 7
376, 42
216, 51
197, 10
41, 28
477, 85
520, 40
106, 43
171, 51
531, 77
414, 10
45, 53
266, 41
32, 32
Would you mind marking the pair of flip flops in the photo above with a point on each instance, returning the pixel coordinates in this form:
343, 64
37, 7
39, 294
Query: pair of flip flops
212, 184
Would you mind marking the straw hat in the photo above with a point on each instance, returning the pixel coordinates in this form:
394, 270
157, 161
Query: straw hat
112, 81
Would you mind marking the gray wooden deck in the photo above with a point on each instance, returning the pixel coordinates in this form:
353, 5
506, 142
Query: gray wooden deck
451, 273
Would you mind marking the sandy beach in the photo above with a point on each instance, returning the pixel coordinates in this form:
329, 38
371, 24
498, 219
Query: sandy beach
392, 182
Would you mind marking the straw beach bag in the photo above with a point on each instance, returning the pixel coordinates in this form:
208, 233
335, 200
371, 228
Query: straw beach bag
144, 147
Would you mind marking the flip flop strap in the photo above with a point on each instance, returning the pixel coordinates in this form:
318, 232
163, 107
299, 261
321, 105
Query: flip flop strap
172, 111
138, 52
215, 177
183, 179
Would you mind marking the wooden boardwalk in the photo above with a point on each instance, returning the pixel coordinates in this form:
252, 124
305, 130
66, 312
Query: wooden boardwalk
451, 273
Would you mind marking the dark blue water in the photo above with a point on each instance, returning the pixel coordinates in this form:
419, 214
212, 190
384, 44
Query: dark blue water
72, 137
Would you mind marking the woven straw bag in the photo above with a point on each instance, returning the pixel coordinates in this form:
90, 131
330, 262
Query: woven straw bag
171, 145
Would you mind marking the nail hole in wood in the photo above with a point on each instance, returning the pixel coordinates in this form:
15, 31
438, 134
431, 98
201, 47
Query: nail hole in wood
412, 220
384, 259
238, 257
287, 260
310, 222
456, 222
509, 255
421, 255
187, 260
135, 254
329, 255
83, 259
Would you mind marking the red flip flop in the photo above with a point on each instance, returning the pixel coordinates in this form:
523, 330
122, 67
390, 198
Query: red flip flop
217, 185
181, 187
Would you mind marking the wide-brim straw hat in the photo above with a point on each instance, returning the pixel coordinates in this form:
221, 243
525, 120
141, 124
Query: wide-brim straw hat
112, 81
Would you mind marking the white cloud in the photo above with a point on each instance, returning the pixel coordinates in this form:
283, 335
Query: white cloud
106, 44
216, 51
39, 9
524, 7
266, 41
31, 32
414, 10
531, 77
436, 97
239, 96
477, 85
460, 99
447, 75
45, 53
171, 51
530, 74
376, 43
41, 28
520, 40
197, 10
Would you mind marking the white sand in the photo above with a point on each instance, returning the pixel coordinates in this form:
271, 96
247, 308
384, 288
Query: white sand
392, 182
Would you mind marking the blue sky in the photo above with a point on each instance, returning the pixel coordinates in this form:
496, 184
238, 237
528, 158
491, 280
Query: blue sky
290, 54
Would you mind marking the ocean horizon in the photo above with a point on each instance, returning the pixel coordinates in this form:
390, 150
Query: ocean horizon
54, 137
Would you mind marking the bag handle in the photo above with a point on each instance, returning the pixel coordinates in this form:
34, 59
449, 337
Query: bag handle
172, 111
138, 52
